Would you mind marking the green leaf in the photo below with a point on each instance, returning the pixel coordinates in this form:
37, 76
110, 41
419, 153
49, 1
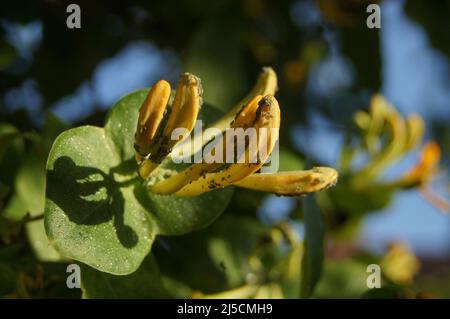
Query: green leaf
8, 134
344, 278
11, 152
98, 212
213, 259
215, 55
15, 210
146, 282
234, 258
312, 262
359, 202
7, 54
289, 161
291, 278
30, 184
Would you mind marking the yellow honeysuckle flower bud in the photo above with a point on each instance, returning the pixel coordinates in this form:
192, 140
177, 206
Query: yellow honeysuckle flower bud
379, 111
362, 120
293, 182
150, 116
266, 115
185, 107
425, 168
265, 84
183, 114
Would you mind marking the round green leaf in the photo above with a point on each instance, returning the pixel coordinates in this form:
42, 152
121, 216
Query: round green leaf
97, 210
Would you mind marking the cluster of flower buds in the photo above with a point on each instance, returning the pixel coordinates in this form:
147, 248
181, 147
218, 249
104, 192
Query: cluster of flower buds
156, 122
386, 136
258, 110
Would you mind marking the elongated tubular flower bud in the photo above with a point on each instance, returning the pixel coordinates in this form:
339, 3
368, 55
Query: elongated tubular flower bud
391, 151
185, 107
194, 172
396, 143
291, 183
265, 84
183, 114
415, 129
425, 168
379, 111
362, 120
266, 116
150, 116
